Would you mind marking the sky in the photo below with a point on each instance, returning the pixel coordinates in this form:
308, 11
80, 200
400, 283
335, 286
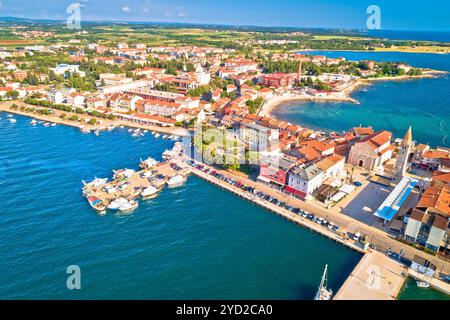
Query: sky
412, 15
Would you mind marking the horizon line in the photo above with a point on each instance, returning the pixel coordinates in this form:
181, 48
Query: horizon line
223, 24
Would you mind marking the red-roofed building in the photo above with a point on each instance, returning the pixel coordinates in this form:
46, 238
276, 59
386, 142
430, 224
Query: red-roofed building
372, 151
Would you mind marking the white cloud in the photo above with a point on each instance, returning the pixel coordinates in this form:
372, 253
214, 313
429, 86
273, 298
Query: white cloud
126, 9
146, 10
182, 14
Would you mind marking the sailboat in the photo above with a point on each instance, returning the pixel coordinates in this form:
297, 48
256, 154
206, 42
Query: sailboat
323, 293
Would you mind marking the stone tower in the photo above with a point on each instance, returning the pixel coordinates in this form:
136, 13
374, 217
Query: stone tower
403, 155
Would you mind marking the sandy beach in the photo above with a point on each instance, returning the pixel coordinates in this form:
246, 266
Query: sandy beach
274, 102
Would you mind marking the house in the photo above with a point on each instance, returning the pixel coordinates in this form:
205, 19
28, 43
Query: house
428, 223
257, 136
432, 158
372, 151
277, 80
273, 170
75, 99
55, 96
215, 96
122, 102
304, 180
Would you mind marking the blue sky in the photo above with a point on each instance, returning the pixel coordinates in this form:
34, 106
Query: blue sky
395, 14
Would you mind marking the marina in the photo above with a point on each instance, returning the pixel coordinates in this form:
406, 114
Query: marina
128, 185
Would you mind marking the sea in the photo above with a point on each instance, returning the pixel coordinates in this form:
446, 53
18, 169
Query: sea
421, 103
193, 242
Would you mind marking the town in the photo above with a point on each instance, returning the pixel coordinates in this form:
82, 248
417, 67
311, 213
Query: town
362, 186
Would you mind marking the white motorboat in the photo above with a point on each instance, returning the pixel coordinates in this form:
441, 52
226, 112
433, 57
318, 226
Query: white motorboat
148, 163
117, 204
422, 284
97, 182
129, 206
33, 122
149, 192
157, 135
53, 124
46, 124
97, 133
12, 120
176, 181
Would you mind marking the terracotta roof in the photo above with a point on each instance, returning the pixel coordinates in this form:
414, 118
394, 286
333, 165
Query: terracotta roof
377, 139
437, 198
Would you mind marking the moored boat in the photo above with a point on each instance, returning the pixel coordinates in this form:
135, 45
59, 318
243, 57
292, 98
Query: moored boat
129, 206
422, 284
117, 204
96, 203
149, 192
176, 181
148, 163
323, 293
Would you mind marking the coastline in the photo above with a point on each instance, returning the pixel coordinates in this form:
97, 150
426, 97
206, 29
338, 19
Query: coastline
341, 96
104, 124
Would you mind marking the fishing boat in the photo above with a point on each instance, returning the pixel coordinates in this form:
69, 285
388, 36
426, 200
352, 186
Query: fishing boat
148, 163
33, 122
123, 173
176, 181
46, 124
96, 203
165, 136
97, 182
323, 293
145, 131
422, 284
129, 206
117, 203
149, 192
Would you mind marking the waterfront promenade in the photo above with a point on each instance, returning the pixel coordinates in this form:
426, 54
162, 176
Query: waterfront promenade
349, 226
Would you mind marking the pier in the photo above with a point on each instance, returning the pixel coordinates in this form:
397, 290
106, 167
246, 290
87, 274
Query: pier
376, 277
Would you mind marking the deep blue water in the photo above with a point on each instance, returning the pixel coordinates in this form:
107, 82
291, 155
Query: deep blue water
440, 36
193, 242
392, 105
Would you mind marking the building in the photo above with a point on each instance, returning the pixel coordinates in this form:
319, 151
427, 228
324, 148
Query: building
428, 223
372, 151
403, 155
273, 170
277, 80
303, 181
257, 137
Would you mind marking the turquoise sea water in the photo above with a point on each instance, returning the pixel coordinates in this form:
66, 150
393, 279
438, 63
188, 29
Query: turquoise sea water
411, 291
392, 105
197, 241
